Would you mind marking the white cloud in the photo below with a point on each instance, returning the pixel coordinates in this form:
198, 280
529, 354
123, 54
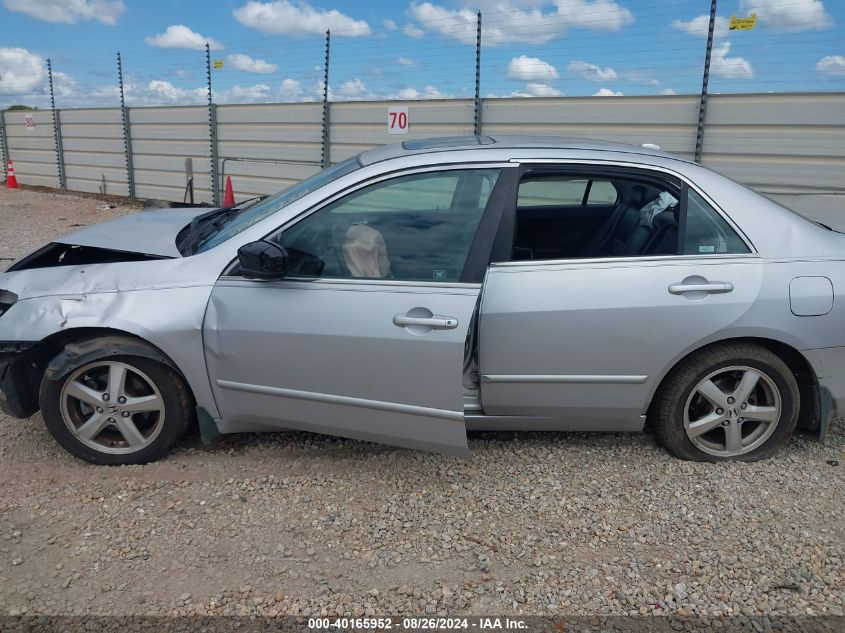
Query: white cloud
412, 30
105, 94
71, 93
644, 77
592, 72
166, 92
160, 92
69, 11
701, 25
506, 22
245, 94
290, 90
534, 89
731, 67
282, 17
180, 36
525, 68
250, 65
831, 65
389, 25
406, 61
21, 72
429, 92
317, 89
788, 15
780, 15
352, 89
64, 86
607, 92
598, 15
668, 91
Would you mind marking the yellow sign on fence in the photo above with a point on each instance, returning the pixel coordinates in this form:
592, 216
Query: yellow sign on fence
218, 63
743, 24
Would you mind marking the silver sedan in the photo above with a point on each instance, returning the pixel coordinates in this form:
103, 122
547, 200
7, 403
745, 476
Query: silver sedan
421, 290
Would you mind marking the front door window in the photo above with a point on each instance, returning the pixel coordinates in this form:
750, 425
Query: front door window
412, 228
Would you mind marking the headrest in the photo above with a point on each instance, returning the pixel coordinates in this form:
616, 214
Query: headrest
669, 216
636, 197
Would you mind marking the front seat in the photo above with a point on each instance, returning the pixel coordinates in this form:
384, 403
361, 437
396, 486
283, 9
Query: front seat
365, 252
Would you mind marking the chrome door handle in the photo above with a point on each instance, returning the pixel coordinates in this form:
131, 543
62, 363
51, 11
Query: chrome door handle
435, 322
713, 287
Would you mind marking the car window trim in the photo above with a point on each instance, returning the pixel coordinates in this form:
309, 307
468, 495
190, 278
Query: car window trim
481, 249
353, 283
654, 260
638, 167
682, 220
587, 192
390, 175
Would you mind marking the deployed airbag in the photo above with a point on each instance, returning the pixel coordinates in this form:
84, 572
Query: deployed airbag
365, 252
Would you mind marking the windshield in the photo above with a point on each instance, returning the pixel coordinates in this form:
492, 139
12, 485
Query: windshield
255, 213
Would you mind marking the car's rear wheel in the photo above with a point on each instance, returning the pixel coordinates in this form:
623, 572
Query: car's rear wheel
117, 410
736, 401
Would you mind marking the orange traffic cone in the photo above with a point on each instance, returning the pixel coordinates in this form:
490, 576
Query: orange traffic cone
229, 195
11, 181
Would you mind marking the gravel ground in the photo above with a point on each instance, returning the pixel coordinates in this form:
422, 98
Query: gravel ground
572, 524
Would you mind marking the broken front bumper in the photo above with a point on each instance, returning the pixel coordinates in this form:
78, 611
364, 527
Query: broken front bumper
18, 394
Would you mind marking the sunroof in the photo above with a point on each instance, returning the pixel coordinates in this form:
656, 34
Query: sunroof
447, 141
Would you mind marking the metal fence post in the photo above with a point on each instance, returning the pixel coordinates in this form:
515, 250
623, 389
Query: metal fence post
326, 159
702, 106
57, 130
5, 144
127, 134
477, 122
212, 131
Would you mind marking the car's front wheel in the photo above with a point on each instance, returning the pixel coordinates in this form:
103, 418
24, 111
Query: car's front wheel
116, 410
736, 401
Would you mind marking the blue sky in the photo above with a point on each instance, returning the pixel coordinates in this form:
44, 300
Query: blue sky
273, 50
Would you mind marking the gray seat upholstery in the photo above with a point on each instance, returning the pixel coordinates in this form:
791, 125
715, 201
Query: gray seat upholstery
665, 238
613, 235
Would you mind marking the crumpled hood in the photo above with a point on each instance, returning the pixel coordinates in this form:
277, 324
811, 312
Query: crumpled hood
152, 232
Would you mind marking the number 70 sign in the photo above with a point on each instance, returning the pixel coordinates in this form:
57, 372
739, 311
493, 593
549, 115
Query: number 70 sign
397, 120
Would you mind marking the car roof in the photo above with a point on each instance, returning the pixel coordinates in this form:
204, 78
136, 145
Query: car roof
502, 142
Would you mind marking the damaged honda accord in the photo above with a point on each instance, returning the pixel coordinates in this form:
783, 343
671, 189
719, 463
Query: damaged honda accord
424, 289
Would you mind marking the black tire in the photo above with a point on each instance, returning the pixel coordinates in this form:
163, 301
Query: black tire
668, 412
178, 413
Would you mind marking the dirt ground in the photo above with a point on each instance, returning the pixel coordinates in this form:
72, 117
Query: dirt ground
274, 524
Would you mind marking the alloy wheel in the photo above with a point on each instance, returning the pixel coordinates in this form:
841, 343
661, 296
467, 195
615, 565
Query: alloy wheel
112, 407
732, 411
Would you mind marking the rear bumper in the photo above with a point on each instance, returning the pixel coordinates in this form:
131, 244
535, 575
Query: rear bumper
828, 363
18, 395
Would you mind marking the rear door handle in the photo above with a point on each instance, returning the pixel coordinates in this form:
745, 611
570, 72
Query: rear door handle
713, 287
435, 322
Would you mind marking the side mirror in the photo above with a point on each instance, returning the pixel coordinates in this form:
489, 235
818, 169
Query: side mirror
263, 260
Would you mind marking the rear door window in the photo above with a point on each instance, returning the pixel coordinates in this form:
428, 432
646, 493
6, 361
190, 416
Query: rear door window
602, 192
552, 192
708, 233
